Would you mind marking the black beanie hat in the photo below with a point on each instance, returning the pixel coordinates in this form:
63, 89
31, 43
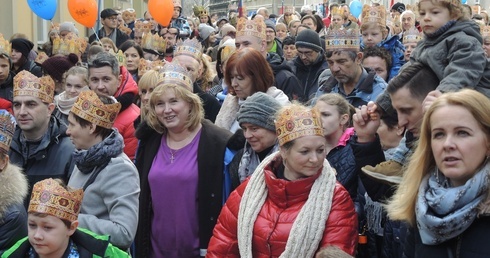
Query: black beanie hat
259, 109
399, 7
309, 39
22, 45
56, 66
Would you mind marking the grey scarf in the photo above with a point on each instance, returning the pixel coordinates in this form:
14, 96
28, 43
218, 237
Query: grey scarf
444, 212
250, 161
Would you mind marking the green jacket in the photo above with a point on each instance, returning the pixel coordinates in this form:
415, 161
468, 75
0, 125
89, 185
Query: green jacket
89, 245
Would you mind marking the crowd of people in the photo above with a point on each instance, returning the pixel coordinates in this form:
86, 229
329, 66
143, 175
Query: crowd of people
263, 136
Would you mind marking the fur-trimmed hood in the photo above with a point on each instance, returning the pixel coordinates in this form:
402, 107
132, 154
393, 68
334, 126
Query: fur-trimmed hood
13, 188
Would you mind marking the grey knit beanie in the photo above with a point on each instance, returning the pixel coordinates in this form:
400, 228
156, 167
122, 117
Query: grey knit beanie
259, 109
309, 39
205, 30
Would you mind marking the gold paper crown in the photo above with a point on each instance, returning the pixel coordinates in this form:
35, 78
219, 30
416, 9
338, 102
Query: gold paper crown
5, 45
55, 27
89, 107
412, 36
200, 11
120, 56
246, 27
485, 32
142, 27
296, 121
7, 128
125, 29
26, 83
70, 44
375, 14
289, 9
147, 65
49, 197
173, 73
336, 10
341, 39
41, 57
189, 47
155, 42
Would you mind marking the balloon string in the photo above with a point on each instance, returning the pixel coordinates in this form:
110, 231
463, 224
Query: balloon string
96, 35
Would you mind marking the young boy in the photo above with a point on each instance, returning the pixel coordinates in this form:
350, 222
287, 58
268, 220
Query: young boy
52, 226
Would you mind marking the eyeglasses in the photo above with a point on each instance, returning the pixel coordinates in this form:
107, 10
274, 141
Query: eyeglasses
111, 18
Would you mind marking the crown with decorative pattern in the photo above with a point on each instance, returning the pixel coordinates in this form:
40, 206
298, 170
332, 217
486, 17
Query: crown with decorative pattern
141, 27
375, 14
295, 121
337, 10
412, 35
41, 57
26, 83
49, 197
200, 11
7, 128
255, 27
70, 44
189, 47
5, 45
485, 31
289, 9
120, 56
89, 107
341, 39
147, 65
154, 42
173, 73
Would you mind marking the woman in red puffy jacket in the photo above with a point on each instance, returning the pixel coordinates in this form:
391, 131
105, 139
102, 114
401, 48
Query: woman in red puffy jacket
292, 205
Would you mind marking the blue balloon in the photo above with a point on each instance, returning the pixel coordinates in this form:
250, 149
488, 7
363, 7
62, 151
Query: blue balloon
43, 8
355, 8
464, 1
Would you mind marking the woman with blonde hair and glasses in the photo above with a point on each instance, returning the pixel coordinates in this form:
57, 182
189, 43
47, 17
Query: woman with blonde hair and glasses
444, 193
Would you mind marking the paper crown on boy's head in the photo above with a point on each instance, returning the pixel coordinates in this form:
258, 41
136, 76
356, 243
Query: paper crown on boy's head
7, 128
70, 44
26, 83
296, 121
341, 39
289, 9
412, 35
154, 42
49, 197
485, 31
189, 47
200, 11
255, 27
375, 14
5, 45
173, 73
89, 107
141, 27
337, 10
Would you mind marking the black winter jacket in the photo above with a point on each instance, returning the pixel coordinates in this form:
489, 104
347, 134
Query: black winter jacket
284, 78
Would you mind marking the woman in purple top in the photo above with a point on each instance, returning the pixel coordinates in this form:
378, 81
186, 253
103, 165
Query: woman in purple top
180, 160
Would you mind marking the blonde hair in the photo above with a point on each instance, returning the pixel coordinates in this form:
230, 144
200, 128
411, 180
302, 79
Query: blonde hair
196, 113
110, 42
148, 80
343, 106
78, 71
402, 204
374, 25
207, 75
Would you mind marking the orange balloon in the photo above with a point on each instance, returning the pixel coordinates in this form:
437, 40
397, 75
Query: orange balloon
83, 11
161, 11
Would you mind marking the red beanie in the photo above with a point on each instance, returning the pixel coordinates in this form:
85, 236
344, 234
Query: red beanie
56, 66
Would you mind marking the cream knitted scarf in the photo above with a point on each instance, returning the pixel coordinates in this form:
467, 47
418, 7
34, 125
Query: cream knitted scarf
308, 228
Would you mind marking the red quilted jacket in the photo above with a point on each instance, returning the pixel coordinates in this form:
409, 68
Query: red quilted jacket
275, 220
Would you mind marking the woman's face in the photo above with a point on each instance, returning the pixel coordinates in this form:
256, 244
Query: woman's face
132, 59
82, 137
145, 94
290, 52
48, 235
203, 19
310, 23
258, 137
304, 158
281, 33
458, 143
332, 121
486, 46
107, 47
16, 56
172, 112
212, 38
74, 85
242, 84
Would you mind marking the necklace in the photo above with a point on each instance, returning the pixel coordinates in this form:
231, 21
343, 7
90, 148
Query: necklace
172, 155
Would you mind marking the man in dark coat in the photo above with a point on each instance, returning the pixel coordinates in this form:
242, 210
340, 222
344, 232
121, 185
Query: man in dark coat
109, 22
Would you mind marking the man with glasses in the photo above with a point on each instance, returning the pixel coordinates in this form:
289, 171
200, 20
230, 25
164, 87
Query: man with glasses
310, 62
109, 28
40, 145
